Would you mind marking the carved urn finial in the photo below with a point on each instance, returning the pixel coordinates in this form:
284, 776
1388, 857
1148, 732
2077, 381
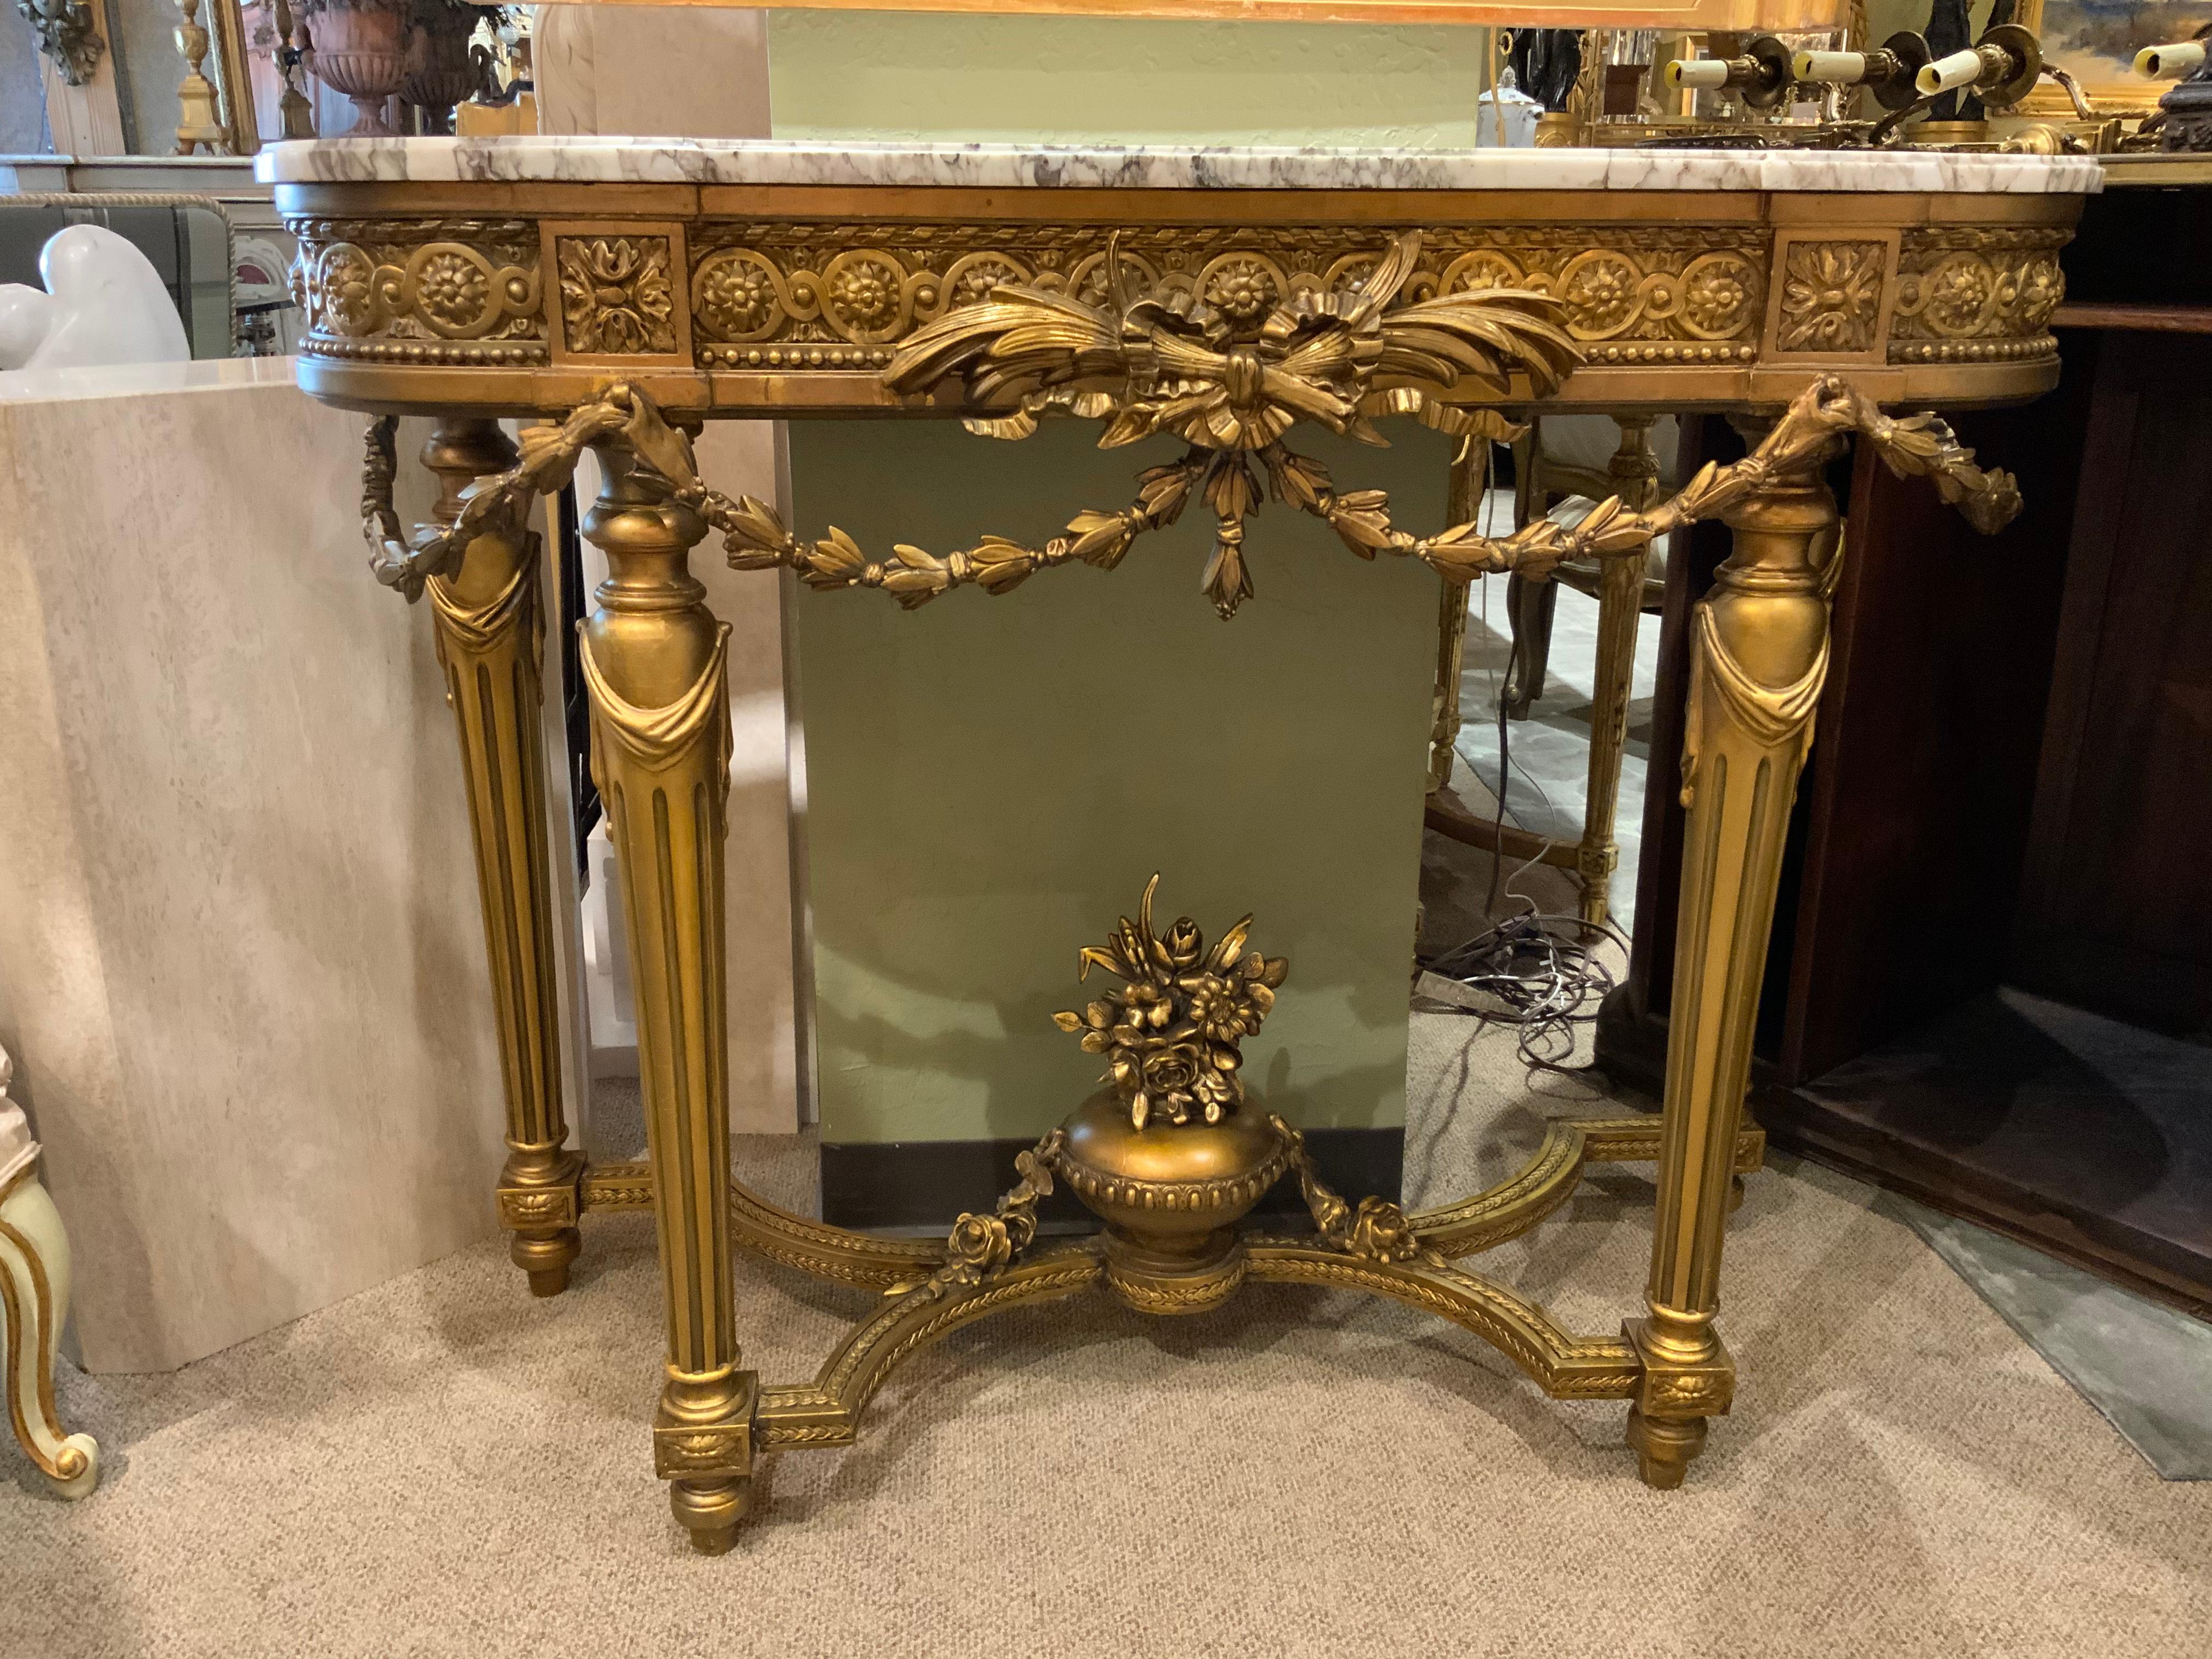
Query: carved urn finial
1163, 1156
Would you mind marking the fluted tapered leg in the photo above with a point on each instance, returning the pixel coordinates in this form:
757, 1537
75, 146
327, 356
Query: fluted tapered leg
1759, 654
490, 637
653, 660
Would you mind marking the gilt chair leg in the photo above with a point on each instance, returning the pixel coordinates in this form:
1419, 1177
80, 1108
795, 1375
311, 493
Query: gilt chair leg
1530, 606
34, 1288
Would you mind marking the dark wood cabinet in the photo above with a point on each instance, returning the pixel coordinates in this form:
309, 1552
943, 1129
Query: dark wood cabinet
1991, 979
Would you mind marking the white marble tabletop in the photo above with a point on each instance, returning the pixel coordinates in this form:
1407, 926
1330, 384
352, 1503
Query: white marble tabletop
768, 161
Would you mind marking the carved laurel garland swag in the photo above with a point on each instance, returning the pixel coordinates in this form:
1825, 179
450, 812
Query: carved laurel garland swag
1161, 360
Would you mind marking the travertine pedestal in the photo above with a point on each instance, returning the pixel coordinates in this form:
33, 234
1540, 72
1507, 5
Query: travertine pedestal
241, 957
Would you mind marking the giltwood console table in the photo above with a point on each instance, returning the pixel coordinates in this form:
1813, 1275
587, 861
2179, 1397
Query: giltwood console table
625, 291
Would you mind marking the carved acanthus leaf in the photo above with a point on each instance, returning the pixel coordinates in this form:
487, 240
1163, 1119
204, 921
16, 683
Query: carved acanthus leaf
67, 33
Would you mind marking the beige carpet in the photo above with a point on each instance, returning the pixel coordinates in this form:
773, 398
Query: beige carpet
444, 1465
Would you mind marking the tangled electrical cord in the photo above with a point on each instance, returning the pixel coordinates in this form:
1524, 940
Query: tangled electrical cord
1546, 974
1542, 970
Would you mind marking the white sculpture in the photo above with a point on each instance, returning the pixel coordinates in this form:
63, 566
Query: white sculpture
103, 303
1506, 115
34, 1286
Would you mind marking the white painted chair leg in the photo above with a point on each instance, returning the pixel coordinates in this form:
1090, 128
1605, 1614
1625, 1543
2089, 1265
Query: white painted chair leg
35, 1282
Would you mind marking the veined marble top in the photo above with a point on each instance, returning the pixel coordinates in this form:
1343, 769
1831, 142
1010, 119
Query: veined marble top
769, 161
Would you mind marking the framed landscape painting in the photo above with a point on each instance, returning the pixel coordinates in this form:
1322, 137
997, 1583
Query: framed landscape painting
2096, 42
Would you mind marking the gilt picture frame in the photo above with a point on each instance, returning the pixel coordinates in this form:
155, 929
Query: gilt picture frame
229, 66
2096, 41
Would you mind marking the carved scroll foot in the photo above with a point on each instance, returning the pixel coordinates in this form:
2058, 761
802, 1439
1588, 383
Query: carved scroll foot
34, 1286
34, 1297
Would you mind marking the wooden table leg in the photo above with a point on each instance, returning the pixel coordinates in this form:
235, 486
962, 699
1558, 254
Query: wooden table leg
490, 637
1759, 653
1635, 473
34, 1266
1463, 498
653, 659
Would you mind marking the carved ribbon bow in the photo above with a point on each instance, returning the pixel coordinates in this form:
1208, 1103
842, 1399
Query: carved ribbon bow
1165, 360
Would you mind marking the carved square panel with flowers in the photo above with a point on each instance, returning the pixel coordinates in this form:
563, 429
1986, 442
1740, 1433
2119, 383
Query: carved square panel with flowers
617, 291
1832, 295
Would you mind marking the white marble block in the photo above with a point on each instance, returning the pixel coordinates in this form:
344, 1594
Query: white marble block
241, 961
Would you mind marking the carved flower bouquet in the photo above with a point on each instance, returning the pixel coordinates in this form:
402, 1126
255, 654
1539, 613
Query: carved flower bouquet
1170, 1032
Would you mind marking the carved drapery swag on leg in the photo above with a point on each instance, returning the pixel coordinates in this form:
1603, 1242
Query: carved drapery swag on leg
653, 658
654, 661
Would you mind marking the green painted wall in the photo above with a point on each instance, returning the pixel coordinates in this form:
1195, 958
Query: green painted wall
990, 781
1105, 80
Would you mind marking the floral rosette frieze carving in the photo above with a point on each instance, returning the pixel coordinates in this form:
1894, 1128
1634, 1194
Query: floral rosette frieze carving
1665, 288
836, 297
1976, 293
832, 296
461, 282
